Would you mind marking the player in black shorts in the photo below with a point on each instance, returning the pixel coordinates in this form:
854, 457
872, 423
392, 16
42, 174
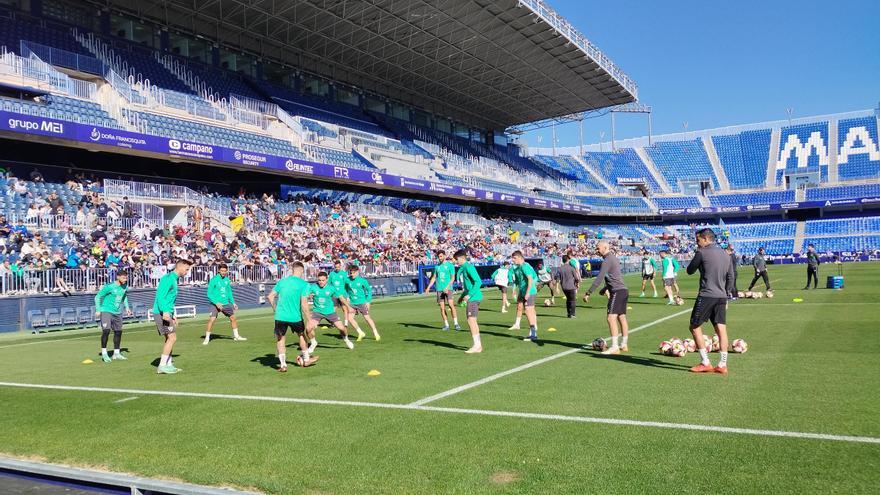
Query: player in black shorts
716, 275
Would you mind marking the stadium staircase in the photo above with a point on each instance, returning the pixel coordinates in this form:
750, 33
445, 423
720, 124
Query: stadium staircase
594, 173
651, 204
799, 235
215, 209
721, 176
704, 201
833, 146
775, 137
800, 194
649, 164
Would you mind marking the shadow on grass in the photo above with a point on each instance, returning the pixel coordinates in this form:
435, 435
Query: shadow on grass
438, 343
214, 337
641, 361
420, 325
267, 360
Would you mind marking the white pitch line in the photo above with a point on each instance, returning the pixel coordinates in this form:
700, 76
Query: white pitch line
120, 401
477, 412
496, 376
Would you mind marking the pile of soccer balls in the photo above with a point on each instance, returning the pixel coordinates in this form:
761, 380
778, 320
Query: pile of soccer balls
755, 295
679, 348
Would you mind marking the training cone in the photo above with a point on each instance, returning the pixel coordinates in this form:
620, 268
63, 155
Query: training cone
629, 308
87, 361
373, 373
551, 329
797, 299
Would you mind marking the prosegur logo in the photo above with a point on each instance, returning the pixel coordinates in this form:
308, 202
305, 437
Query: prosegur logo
43, 125
237, 155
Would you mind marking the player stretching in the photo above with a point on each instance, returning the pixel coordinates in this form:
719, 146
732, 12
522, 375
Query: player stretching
649, 267
812, 266
545, 279
716, 272
444, 274
669, 270
291, 312
618, 297
471, 295
324, 297
337, 280
109, 301
360, 295
760, 265
163, 314
222, 302
502, 277
526, 282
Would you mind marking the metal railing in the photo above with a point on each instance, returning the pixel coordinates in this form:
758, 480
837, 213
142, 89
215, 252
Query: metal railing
63, 58
34, 69
34, 281
144, 191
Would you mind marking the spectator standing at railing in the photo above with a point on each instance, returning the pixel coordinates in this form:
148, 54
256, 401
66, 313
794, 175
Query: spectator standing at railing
55, 203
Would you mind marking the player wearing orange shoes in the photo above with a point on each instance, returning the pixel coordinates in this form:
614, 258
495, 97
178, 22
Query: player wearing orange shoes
716, 273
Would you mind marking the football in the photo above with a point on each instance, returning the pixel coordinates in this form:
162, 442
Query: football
665, 347
599, 344
758, 295
690, 345
678, 350
747, 294
740, 294
769, 294
740, 346
300, 361
546, 302
716, 343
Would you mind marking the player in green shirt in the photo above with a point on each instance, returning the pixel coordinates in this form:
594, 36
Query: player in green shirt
163, 314
222, 302
649, 268
108, 307
290, 301
444, 275
360, 295
526, 281
471, 295
336, 278
324, 297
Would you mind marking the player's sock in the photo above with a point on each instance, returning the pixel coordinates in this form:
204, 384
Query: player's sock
723, 362
103, 351
516, 323
306, 356
455, 321
642, 294
235, 334
207, 338
704, 356
345, 323
614, 341
533, 330
623, 341
282, 360
163, 360
445, 323
477, 341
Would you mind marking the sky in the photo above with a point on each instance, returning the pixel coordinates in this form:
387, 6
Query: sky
719, 63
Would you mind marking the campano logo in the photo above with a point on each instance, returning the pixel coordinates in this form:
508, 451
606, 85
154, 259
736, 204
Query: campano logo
173, 144
288, 165
95, 135
237, 155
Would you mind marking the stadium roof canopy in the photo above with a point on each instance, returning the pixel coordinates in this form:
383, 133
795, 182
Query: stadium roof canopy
486, 63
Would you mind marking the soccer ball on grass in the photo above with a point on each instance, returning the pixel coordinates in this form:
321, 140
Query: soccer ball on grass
740, 346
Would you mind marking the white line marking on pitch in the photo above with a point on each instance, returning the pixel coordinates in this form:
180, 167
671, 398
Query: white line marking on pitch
491, 378
120, 401
477, 412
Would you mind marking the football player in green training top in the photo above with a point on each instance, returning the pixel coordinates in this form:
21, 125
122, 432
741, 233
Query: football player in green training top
289, 300
336, 278
526, 281
360, 295
444, 275
324, 297
108, 303
471, 295
222, 302
163, 314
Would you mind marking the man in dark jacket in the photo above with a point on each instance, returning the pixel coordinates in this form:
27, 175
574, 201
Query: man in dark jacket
812, 266
569, 280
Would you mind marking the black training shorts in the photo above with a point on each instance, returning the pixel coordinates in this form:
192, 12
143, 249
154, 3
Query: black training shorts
712, 309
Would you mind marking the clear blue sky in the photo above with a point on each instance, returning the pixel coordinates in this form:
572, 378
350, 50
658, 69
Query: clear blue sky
714, 63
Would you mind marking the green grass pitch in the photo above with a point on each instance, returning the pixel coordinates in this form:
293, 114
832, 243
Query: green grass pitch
812, 368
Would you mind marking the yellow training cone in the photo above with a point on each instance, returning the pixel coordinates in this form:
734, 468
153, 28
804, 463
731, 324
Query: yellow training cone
797, 299
551, 329
373, 373
87, 361
629, 308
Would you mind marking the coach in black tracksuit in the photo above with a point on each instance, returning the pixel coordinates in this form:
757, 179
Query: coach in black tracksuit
812, 266
569, 280
760, 265
734, 261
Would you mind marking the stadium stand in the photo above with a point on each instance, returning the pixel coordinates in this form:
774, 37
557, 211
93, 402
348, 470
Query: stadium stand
624, 163
754, 198
744, 157
859, 137
682, 160
803, 148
